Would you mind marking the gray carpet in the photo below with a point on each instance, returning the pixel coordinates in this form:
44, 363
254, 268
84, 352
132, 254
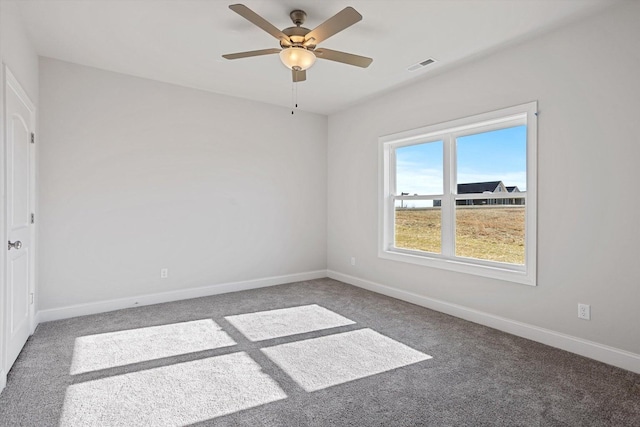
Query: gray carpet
339, 356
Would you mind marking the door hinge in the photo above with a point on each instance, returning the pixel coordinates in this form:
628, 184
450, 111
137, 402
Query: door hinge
33, 138
32, 297
33, 218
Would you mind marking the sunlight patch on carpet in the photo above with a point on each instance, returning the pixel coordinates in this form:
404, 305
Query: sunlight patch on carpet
173, 395
323, 362
284, 322
103, 351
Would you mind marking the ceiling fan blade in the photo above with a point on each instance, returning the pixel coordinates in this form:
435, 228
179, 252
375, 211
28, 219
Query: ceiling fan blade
299, 76
345, 58
258, 20
338, 22
250, 53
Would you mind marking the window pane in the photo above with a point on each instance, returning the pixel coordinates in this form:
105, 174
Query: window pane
484, 160
419, 169
491, 232
419, 228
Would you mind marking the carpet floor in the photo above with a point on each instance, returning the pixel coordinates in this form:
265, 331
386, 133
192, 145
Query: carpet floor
315, 353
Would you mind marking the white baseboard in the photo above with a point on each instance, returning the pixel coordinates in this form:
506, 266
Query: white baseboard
117, 304
600, 352
36, 321
3, 379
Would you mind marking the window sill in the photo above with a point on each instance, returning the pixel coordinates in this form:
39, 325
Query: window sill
506, 272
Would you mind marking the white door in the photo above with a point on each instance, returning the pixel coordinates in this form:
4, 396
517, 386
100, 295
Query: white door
19, 121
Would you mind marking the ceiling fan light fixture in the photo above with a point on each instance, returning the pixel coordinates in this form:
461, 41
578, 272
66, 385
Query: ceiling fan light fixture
297, 58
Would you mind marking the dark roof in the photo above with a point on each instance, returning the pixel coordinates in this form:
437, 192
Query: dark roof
510, 189
477, 187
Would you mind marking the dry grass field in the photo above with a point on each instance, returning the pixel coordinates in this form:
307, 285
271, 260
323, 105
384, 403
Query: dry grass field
491, 233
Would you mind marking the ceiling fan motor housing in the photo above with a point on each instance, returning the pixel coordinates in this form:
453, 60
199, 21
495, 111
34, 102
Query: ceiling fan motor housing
296, 36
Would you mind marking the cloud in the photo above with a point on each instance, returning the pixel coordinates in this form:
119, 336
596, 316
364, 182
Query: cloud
413, 179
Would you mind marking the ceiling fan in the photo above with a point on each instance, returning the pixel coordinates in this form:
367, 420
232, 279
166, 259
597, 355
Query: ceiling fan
298, 49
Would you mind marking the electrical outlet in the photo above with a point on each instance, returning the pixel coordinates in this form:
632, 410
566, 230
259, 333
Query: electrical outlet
164, 273
353, 260
584, 311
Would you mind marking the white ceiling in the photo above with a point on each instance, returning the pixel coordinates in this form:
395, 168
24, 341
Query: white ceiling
181, 41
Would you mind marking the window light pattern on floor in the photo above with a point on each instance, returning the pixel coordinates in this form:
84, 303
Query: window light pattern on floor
182, 393
103, 351
323, 362
178, 394
284, 322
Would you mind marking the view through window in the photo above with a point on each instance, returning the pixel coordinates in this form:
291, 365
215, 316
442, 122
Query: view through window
488, 163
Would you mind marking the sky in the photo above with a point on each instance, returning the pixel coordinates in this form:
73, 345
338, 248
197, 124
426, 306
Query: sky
490, 156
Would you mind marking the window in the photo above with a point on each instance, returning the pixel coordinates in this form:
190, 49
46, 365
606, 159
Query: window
461, 195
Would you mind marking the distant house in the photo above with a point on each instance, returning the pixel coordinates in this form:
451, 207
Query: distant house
518, 201
482, 187
489, 187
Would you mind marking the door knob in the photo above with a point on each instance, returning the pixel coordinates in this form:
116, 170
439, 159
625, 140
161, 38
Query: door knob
17, 244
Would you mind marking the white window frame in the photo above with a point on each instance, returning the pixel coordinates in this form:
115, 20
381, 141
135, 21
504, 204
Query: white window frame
447, 132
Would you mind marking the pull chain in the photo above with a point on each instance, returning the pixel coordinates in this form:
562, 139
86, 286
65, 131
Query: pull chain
294, 96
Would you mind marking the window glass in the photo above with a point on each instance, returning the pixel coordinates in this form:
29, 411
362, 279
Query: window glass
499, 155
419, 228
494, 233
419, 169
491, 228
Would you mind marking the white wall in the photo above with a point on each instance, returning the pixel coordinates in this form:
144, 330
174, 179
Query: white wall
19, 55
138, 175
585, 78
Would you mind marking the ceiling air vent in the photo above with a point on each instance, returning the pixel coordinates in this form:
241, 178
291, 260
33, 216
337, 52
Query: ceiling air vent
421, 64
